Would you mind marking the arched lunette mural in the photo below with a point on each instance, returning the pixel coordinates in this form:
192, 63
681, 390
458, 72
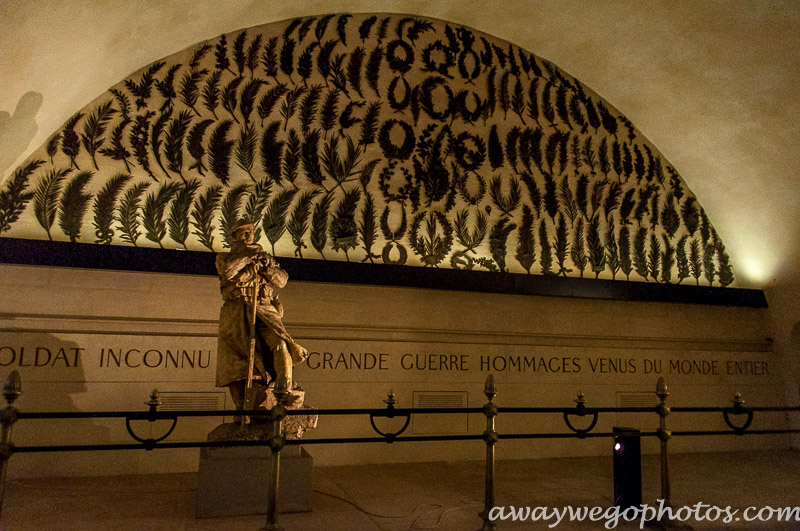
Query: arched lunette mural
383, 138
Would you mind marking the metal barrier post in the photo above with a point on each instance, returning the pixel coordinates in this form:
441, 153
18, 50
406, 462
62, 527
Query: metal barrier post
490, 410
278, 413
664, 435
12, 388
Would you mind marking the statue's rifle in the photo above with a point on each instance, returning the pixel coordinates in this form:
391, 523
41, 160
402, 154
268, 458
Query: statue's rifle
249, 391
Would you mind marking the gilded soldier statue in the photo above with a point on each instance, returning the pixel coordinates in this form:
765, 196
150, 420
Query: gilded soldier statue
252, 341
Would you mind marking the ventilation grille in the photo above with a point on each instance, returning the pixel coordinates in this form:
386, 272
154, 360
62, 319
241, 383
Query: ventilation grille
191, 401
636, 400
440, 424
440, 399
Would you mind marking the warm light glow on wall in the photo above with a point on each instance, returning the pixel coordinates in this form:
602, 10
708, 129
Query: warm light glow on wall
755, 269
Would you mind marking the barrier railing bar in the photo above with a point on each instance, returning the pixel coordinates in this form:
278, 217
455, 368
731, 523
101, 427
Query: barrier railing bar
359, 440
731, 409
169, 415
260, 413
226, 444
567, 435
578, 410
747, 432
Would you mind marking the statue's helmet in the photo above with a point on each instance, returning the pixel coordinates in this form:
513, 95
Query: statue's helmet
242, 224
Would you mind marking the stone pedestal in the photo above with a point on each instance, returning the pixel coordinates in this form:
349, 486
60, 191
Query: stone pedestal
234, 481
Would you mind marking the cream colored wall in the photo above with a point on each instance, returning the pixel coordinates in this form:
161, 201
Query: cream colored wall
95, 310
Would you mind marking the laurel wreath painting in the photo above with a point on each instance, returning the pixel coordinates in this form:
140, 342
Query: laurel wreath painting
381, 138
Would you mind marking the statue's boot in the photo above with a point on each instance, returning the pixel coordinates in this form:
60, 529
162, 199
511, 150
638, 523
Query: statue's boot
283, 367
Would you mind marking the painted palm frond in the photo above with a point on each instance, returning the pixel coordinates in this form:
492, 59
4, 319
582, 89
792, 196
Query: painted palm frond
435, 242
203, 215
269, 57
139, 139
578, 250
667, 260
94, 127
709, 264
290, 103
229, 97
470, 239
274, 221
297, 226
270, 99
52, 146
45, 198
561, 246
640, 262
625, 261
272, 151
219, 151
682, 259
354, 66
308, 108
337, 167
526, 241
117, 150
196, 147
695, 260
174, 140
245, 150
319, 224
505, 203
155, 138
15, 197
155, 205
568, 202
178, 218
291, 157
373, 69
256, 203
343, 229
247, 100
654, 257
70, 142
367, 228
229, 213
613, 259
211, 92
128, 213
104, 207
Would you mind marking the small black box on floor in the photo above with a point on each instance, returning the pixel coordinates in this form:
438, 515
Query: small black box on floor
233, 481
627, 468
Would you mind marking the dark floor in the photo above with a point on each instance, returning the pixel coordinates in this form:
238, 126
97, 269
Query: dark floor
441, 496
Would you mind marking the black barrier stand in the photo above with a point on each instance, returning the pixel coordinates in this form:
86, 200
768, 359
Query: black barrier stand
627, 468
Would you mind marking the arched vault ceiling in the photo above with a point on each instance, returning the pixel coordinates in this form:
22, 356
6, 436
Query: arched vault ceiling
642, 55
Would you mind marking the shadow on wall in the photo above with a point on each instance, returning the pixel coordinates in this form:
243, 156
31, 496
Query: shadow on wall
18, 129
53, 380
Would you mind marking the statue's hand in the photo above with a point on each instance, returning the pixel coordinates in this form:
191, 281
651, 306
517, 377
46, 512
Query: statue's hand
251, 270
